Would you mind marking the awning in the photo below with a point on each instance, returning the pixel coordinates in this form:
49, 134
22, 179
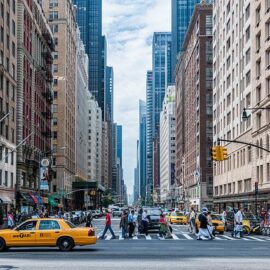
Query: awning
34, 198
27, 198
5, 200
40, 201
45, 200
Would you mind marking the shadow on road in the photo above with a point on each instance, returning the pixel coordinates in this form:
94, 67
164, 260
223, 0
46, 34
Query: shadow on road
49, 250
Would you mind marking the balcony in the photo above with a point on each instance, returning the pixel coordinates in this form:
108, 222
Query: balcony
48, 57
47, 133
47, 115
48, 95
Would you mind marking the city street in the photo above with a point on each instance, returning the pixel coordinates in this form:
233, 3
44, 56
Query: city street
181, 251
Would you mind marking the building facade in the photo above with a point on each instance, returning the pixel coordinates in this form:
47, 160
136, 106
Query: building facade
64, 87
34, 98
8, 84
94, 159
194, 98
149, 128
82, 98
182, 11
167, 147
142, 148
89, 18
109, 94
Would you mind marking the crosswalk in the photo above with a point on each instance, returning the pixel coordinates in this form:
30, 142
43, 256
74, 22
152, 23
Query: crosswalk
188, 237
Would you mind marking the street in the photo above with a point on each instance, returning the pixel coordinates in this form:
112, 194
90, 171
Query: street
182, 251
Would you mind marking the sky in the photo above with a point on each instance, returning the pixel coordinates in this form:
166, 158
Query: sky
129, 26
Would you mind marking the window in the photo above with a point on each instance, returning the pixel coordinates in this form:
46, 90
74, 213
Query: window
14, 6
55, 94
28, 226
13, 49
247, 12
258, 15
247, 56
267, 31
258, 94
249, 154
53, 15
6, 155
12, 158
248, 34
53, 3
258, 42
55, 135
259, 120
54, 28
54, 121
55, 108
1, 178
209, 25
55, 68
239, 186
13, 28
6, 179
247, 78
49, 225
11, 180
258, 69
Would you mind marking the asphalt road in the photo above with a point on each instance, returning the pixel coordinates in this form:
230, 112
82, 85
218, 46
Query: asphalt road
144, 254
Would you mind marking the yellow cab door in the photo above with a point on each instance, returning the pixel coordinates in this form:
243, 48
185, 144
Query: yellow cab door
25, 234
48, 232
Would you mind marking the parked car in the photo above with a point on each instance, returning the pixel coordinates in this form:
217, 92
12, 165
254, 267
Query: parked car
116, 213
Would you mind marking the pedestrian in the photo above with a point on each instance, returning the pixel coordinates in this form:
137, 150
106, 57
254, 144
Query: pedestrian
89, 219
124, 224
192, 219
10, 220
139, 221
263, 217
238, 219
162, 226
131, 223
145, 222
210, 226
203, 230
108, 226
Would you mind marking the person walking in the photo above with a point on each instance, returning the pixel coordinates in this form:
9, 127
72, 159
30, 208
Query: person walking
108, 226
263, 217
10, 220
192, 218
124, 224
162, 226
89, 219
145, 222
238, 219
131, 223
139, 221
203, 231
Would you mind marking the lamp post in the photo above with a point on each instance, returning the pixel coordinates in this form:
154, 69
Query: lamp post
245, 116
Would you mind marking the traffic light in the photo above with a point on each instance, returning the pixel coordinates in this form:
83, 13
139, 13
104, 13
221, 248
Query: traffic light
224, 153
216, 155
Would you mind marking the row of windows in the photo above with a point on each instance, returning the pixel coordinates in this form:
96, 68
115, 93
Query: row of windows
7, 179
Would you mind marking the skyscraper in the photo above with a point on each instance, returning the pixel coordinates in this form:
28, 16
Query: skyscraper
161, 63
89, 18
142, 147
119, 143
101, 93
149, 126
109, 94
181, 13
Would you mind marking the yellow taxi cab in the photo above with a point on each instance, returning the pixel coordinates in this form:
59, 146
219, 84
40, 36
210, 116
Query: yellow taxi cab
47, 232
217, 222
177, 218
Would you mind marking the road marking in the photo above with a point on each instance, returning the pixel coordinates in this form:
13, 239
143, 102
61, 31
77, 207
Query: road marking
246, 239
148, 237
109, 237
175, 237
135, 237
257, 239
228, 237
120, 237
217, 238
187, 236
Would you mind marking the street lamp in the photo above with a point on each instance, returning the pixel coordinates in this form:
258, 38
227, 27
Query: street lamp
245, 116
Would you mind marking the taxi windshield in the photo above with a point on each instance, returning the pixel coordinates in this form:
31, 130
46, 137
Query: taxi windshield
178, 214
216, 217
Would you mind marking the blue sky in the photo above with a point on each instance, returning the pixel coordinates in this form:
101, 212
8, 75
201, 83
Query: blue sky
129, 26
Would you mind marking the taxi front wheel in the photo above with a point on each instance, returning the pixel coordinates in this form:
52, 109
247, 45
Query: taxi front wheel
65, 244
3, 246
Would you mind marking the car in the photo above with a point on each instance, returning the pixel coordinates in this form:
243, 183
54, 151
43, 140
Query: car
154, 216
47, 232
177, 218
116, 213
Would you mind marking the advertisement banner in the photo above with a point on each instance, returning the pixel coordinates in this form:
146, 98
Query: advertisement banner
44, 178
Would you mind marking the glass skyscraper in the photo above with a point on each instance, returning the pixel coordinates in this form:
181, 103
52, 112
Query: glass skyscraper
161, 63
182, 11
89, 18
142, 147
109, 94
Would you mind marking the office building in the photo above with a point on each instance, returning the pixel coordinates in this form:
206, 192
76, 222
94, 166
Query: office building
167, 148
109, 92
64, 87
8, 84
34, 99
194, 79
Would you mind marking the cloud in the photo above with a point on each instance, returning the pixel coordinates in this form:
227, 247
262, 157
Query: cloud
129, 26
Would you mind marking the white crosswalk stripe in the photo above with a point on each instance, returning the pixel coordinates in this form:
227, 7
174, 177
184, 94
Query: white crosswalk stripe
257, 239
187, 236
175, 237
